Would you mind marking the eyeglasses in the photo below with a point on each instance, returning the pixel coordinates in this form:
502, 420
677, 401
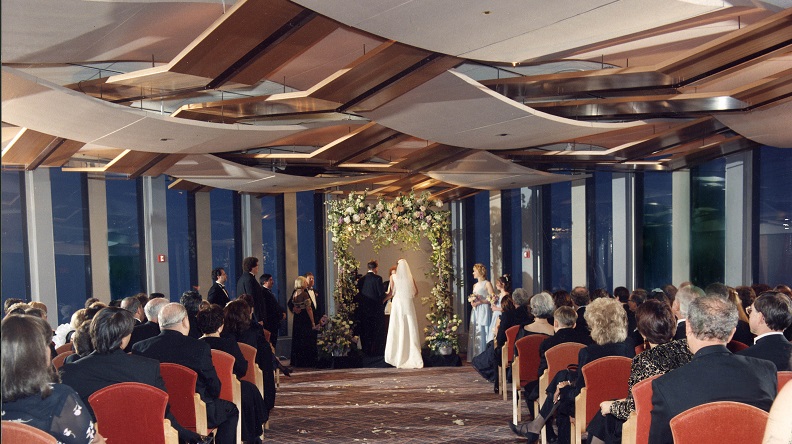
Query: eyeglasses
749, 310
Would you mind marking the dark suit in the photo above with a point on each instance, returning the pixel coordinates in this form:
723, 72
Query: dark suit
218, 295
95, 372
247, 284
172, 346
274, 315
680, 331
773, 348
372, 313
560, 337
581, 325
141, 333
714, 374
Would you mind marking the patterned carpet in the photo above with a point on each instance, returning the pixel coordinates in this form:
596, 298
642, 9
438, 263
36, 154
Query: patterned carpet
430, 405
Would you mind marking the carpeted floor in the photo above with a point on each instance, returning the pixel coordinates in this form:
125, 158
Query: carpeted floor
430, 405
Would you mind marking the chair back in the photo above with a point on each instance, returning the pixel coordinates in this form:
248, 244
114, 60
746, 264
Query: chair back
230, 389
58, 360
16, 432
64, 348
180, 384
511, 336
783, 378
249, 352
528, 349
561, 356
130, 412
735, 346
642, 395
606, 378
719, 422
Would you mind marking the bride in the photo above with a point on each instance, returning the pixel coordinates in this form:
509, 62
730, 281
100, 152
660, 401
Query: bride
403, 346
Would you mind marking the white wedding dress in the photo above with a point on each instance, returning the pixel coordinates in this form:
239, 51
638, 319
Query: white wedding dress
403, 345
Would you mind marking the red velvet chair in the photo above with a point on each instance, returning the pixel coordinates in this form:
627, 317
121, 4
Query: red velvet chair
507, 356
230, 389
525, 369
64, 348
131, 412
186, 405
720, 422
58, 360
783, 378
16, 432
254, 374
606, 378
558, 358
735, 346
636, 429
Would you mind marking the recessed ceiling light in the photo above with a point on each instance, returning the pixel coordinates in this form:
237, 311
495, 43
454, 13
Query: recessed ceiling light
487, 12
165, 139
503, 134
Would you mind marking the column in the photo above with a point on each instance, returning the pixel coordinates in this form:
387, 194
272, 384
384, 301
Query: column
579, 251
680, 226
203, 241
738, 219
41, 240
100, 254
623, 230
496, 236
532, 239
155, 234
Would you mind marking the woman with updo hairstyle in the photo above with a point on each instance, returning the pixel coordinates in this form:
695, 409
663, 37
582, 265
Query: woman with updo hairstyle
481, 312
657, 326
304, 352
608, 323
562, 298
503, 288
32, 393
542, 308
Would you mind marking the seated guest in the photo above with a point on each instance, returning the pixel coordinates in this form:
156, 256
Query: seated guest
132, 304
64, 332
714, 374
679, 307
580, 297
239, 325
8, 303
173, 345
743, 332
254, 412
509, 318
110, 330
82, 343
542, 307
31, 394
769, 315
191, 300
150, 328
564, 319
637, 297
656, 324
608, 323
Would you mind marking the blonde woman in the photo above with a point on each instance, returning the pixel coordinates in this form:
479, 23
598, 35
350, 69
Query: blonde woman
481, 312
303, 327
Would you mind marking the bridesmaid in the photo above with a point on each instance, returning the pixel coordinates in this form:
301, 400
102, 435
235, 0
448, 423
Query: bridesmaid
503, 285
480, 314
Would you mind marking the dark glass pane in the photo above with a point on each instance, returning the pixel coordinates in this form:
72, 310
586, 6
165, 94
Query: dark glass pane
561, 235
15, 280
223, 243
601, 261
179, 245
272, 244
656, 230
306, 241
72, 240
707, 222
123, 238
775, 216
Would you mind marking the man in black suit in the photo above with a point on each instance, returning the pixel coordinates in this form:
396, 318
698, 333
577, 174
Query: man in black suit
218, 293
248, 284
685, 295
318, 305
769, 316
132, 304
191, 300
150, 328
275, 313
714, 374
111, 329
173, 345
564, 320
372, 313
580, 297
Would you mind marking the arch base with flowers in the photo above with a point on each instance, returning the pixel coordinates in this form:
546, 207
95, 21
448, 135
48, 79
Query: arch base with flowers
405, 221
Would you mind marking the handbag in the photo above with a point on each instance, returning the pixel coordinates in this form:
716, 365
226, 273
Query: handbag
388, 308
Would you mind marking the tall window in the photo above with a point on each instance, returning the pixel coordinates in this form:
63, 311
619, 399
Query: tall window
656, 228
71, 233
512, 235
306, 240
708, 222
225, 209
272, 244
181, 242
775, 216
558, 202
16, 278
124, 239
599, 215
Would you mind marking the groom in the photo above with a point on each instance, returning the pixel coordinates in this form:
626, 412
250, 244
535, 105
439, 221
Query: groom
371, 311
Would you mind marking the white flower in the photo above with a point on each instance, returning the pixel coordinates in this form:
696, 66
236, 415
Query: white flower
439, 203
347, 219
356, 218
423, 208
350, 210
380, 207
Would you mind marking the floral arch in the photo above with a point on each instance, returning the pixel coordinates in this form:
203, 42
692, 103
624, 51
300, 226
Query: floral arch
405, 221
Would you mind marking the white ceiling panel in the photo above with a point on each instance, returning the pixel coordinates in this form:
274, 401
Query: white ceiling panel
769, 126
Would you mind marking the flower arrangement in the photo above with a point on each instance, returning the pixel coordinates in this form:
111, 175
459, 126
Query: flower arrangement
405, 220
336, 338
441, 331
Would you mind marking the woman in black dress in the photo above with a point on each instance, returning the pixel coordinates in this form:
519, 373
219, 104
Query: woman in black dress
304, 353
254, 412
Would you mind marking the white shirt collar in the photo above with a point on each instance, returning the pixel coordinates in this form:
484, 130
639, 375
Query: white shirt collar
679, 321
768, 334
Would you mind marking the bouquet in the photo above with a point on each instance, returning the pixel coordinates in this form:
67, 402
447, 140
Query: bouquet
494, 299
473, 298
441, 331
335, 338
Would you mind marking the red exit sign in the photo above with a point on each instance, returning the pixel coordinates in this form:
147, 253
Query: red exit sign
162, 258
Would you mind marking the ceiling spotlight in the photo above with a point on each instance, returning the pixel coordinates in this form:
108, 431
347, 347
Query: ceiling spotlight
502, 134
487, 12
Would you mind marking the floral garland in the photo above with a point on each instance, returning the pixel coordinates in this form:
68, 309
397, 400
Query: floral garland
405, 220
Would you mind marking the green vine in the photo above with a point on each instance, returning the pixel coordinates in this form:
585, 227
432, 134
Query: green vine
405, 220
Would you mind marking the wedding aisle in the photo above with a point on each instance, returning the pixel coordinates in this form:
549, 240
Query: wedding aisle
430, 405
